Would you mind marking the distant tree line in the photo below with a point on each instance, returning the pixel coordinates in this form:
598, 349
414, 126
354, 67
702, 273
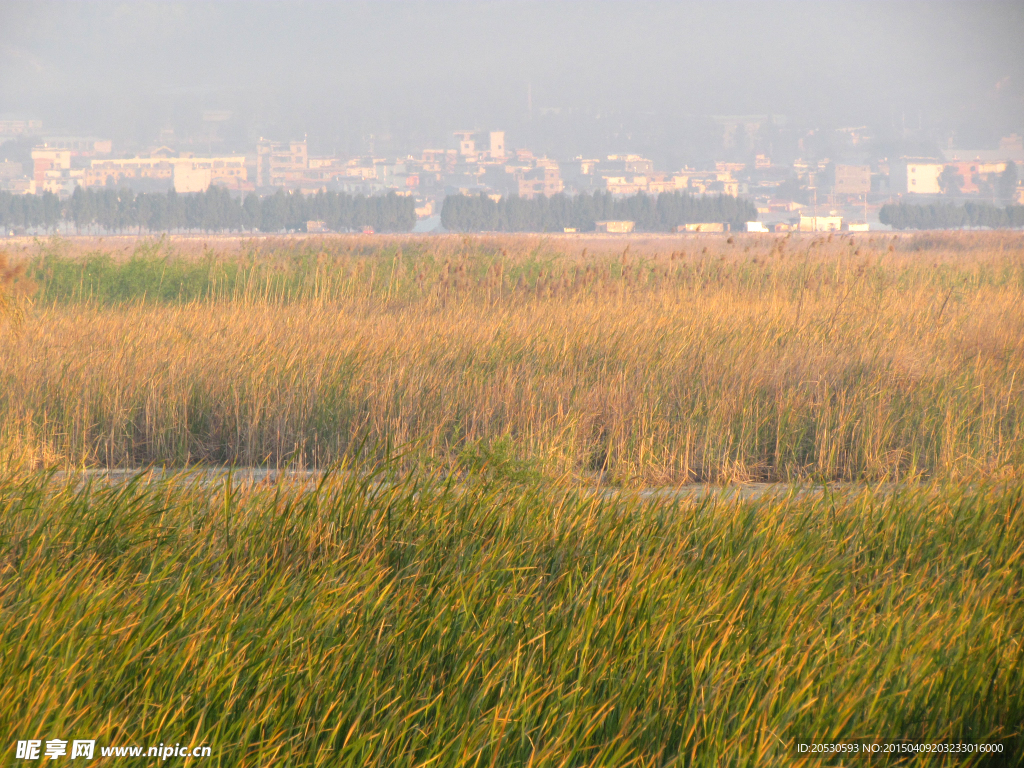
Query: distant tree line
122, 210
663, 213
30, 211
950, 216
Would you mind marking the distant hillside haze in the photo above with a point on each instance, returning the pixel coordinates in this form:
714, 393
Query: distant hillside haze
563, 77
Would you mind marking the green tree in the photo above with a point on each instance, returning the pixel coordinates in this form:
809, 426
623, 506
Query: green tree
950, 181
1008, 182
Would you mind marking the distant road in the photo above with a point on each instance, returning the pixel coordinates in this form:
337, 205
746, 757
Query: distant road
252, 477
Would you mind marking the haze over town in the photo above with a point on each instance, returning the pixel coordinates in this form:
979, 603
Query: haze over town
826, 109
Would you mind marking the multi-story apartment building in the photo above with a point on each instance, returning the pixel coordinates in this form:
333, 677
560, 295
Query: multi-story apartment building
281, 164
472, 143
187, 174
44, 160
51, 170
543, 179
916, 175
79, 146
853, 179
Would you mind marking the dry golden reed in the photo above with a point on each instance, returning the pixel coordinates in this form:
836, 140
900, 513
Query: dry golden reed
650, 360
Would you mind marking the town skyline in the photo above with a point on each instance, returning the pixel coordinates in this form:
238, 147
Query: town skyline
840, 106
848, 190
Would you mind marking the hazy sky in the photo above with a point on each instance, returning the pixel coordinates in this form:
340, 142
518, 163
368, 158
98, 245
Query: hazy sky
600, 73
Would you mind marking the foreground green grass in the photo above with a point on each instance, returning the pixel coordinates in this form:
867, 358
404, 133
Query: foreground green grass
415, 624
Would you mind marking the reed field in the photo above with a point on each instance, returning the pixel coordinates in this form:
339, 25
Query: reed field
478, 572
413, 622
651, 362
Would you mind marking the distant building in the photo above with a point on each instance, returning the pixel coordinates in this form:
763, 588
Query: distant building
316, 227
625, 164
438, 160
615, 227
228, 171
776, 205
467, 143
187, 174
18, 186
361, 168
856, 226
974, 171
44, 159
544, 179
704, 226
715, 182
10, 169
916, 176
472, 143
756, 226
580, 166
281, 164
128, 168
968, 172
20, 127
663, 182
51, 170
497, 145
79, 146
831, 223
650, 182
187, 178
625, 185
1010, 148
12, 179
853, 179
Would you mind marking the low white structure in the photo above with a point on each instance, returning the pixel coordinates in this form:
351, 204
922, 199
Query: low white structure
820, 223
704, 226
617, 227
756, 226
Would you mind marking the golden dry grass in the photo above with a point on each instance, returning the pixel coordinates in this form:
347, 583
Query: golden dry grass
656, 360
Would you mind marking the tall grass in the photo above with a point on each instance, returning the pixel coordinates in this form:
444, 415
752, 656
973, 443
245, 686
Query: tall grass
413, 623
461, 606
661, 361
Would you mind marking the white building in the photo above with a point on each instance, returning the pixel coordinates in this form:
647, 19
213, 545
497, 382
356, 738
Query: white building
831, 223
188, 178
916, 176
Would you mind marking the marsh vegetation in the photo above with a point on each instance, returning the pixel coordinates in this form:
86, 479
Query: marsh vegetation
453, 591
646, 362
